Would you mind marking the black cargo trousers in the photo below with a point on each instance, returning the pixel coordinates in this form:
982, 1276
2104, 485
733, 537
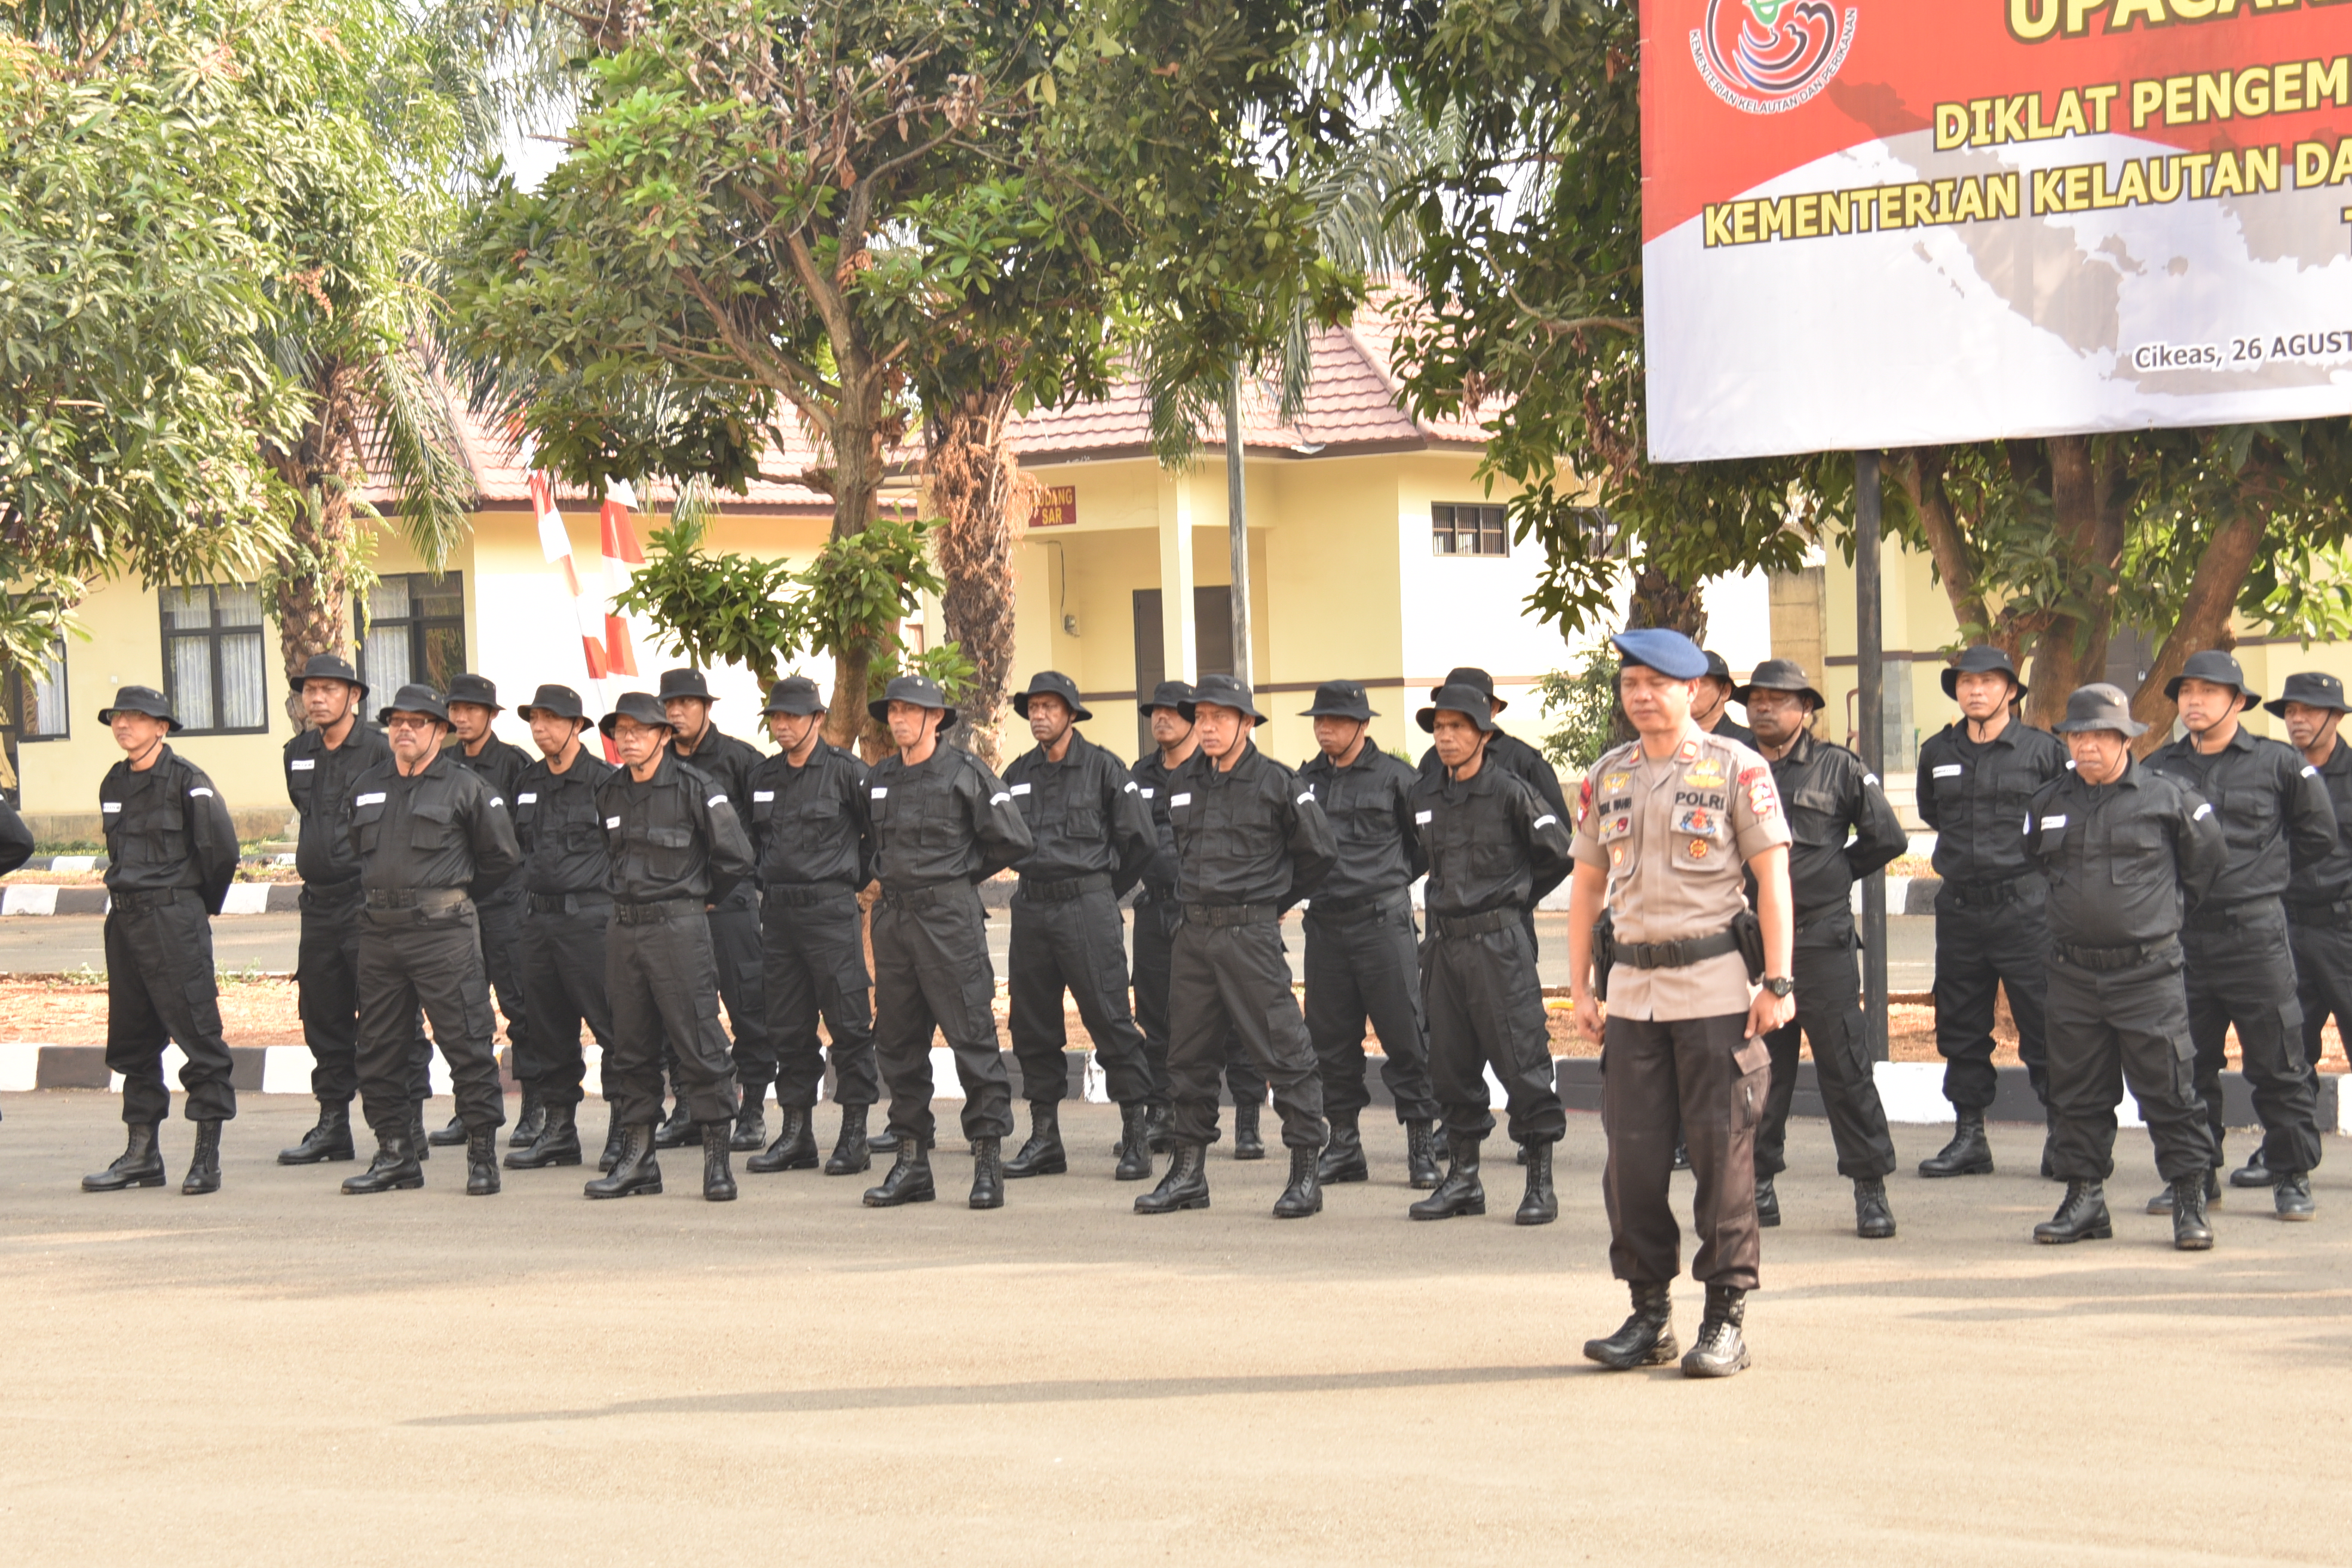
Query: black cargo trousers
1069, 936
2123, 1022
1155, 945
424, 951
1363, 966
159, 987
2240, 970
327, 983
932, 972
500, 915
813, 950
661, 981
1486, 1008
1829, 1015
1228, 975
1991, 937
736, 951
563, 960
2320, 936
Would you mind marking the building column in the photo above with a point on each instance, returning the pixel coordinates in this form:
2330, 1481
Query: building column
1179, 637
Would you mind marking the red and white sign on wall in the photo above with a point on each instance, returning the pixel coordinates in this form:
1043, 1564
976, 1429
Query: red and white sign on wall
1057, 506
1878, 223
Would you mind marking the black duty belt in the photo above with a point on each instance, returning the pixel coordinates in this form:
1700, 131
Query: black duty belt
800, 895
2209, 918
1033, 892
2003, 892
1478, 924
148, 897
1680, 954
2107, 960
1215, 915
2333, 917
569, 903
1329, 908
431, 900
654, 911
922, 898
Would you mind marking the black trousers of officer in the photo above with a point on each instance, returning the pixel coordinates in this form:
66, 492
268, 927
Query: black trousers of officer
159, 987
1982, 944
2242, 971
813, 946
2321, 945
412, 958
1234, 979
1077, 944
2112, 1027
1362, 964
563, 957
662, 983
1485, 1007
1703, 1080
502, 918
735, 945
327, 981
1155, 947
1829, 1015
932, 972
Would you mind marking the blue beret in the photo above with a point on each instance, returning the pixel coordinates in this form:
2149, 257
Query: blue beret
1669, 653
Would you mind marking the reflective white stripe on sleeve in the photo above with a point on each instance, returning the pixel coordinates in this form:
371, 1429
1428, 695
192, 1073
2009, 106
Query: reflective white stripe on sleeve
1306, 797
497, 800
1870, 779
200, 790
716, 800
2202, 813
2309, 772
1130, 787
1545, 819
999, 799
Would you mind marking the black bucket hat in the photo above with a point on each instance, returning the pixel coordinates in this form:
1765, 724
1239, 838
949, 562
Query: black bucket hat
560, 700
794, 694
141, 699
1171, 694
329, 666
685, 683
643, 706
479, 689
1470, 675
1052, 683
2099, 706
2311, 687
1465, 700
414, 698
1781, 675
1219, 691
1983, 660
921, 690
1716, 668
1341, 699
2219, 668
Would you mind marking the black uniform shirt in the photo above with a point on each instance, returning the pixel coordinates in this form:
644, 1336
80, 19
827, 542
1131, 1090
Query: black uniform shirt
725, 762
945, 819
443, 828
1490, 842
1370, 806
1975, 793
2120, 856
1151, 775
2328, 880
319, 782
1253, 835
561, 829
167, 828
1726, 730
1828, 794
1519, 758
809, 824
16, 839
673, 837
2272, 804
1086, 815
500, 763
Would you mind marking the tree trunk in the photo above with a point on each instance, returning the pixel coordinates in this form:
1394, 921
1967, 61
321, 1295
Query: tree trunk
982, 500
2213, 589
859, 443
1658, 601
309, 587
2087, 504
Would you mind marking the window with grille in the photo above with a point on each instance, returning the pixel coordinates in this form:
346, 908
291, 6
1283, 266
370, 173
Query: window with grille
213, 658
35, 698
1460, 530
415, 633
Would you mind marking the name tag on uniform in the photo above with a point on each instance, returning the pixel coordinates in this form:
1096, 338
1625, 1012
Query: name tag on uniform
759, 794
200, 790
302, 764
375, 799
529, 798
109, 805
1020, 789
1180, 799
1947, 771
1146, 794
612, 822
1422, 818
880, 792
2050, 822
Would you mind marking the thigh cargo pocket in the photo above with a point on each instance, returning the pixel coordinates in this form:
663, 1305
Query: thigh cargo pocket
1752, 1067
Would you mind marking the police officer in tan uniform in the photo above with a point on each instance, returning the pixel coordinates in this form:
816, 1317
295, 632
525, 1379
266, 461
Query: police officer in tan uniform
1664, 826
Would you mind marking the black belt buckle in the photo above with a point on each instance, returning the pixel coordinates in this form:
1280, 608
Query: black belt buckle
800, 895
1063, 892
1479, 924
656, 911
1218, 916
1679, 953
145, 898
1985, 895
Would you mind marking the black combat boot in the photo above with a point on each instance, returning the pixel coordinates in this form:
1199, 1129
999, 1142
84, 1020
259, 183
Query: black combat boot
1968, 1154
1042, 1156
558, 1142
1720, 1351
795, 1145
141, 1164
909, 1182
530, 1123
884, 1141
330, 1140
851, 1152
203, 1167
1185, 1186
751, 1121
482, 1162
2081, 1217
634, 1171
1768, 1204
1304, 1197
2190, 1233
615, 1136
1134, 1144
398, 1165
680, 1130
1420, 1170
2291, 1195
418, 1144
1247, 1144
718, 1174
2162, 1202
987, 1172
1541, 1204
2253, 1173
448, 1137
1645, 1338
1873, 1220
1460, 1193
1161, 1123
1343, 1157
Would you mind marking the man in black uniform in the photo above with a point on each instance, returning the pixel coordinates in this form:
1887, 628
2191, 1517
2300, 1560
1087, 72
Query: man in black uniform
1827, 796
1250, 843
567, 904
426, 831
1717, 688
675, 849
1093, 838
816, 851
2319, 893
171, 854
1363, 954
1492, 847
735, 919
2275, 813
473, 704
2121, 844
942, 824
1504, 750
1976, 778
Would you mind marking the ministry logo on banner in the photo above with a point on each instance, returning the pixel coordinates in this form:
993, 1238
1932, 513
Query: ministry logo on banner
1781, 52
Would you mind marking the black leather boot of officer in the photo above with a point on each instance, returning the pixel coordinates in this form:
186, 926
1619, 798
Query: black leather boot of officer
418, 1144
204, 1167
909, 1181
482, 1162
718, 1173
1304, 1197
851, 1152
988, 1174
1968, 1154
884, 1142
448, 1137
1421, 1172
2162, 1202
530, 1123
398, 1166
1541, 1204
795, 1145
330, 1140
1460, 1193
1042, 1156
558, 1142
1134, 1144
1185, 1186
751, 1121
1873, 1220
1247, 1144
616, 1135
1343, 1157
1720, 1350
141, 1164
2082, 1217
1645, 1338
635, 1171
679, 1131
1768, 1204
2190, 1233
2253, 1173
2290, 1196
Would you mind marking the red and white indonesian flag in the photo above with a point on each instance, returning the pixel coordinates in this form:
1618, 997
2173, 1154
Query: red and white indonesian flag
606, 647
1868, 223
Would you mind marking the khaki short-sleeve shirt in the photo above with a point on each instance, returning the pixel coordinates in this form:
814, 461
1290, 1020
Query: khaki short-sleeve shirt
1673, 839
